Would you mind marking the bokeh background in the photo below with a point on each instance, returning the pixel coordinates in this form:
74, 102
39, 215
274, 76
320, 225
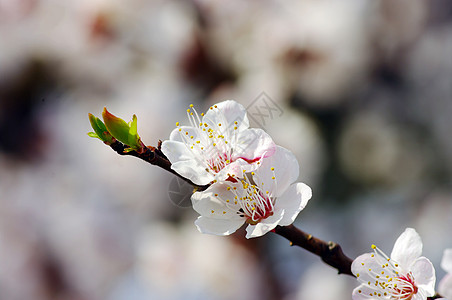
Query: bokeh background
361, 92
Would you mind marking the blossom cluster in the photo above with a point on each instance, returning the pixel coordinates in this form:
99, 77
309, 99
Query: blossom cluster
251, 179
404, 275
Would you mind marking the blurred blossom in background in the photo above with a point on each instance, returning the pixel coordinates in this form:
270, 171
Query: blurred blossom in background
361, 93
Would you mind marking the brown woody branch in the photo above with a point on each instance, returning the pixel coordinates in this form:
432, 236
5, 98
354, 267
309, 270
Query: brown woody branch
330, 252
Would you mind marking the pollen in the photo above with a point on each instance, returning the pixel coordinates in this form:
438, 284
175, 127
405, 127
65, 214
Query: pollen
177, 123
373, 246
272, 168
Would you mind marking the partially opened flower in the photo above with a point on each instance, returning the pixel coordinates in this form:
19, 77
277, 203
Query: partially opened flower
406, 275
445, 285
216, 144
263, 198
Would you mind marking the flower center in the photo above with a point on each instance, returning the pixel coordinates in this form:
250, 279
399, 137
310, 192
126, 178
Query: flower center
387, 279
404, 287
210, 142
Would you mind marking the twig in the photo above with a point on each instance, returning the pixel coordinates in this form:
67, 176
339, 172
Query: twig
330, 252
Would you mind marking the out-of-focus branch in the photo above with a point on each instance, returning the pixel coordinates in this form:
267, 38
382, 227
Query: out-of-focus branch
154, 156
330, 252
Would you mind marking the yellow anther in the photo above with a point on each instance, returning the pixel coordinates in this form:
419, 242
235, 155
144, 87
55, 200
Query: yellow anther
272, 168
212, 211
216, 195
373, 246
191, 105
224, 212
219, 124
202, 114
188, 110
273, 177
177, 123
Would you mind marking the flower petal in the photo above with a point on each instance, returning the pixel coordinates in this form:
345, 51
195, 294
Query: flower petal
227, 113
252, 144
446, 262
216, 226
264, 226
407, 248
185, 164
363, 292
424, 275
183, 134
283, 166
445, 286
365, 266
212, 203
293, 201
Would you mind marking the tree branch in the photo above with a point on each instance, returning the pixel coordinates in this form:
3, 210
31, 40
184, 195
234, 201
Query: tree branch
330, 252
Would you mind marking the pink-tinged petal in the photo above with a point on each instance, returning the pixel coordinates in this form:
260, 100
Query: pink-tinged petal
282, 166
445, 286
227, 113
446, 262
252, 145
364, 292
264, 226
217, 226
424, 275
407, 248
293, 201
212, 203
235, 168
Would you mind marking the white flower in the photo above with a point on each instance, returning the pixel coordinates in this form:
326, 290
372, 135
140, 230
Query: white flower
217, 144
445, 285
406, 275
263, 199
